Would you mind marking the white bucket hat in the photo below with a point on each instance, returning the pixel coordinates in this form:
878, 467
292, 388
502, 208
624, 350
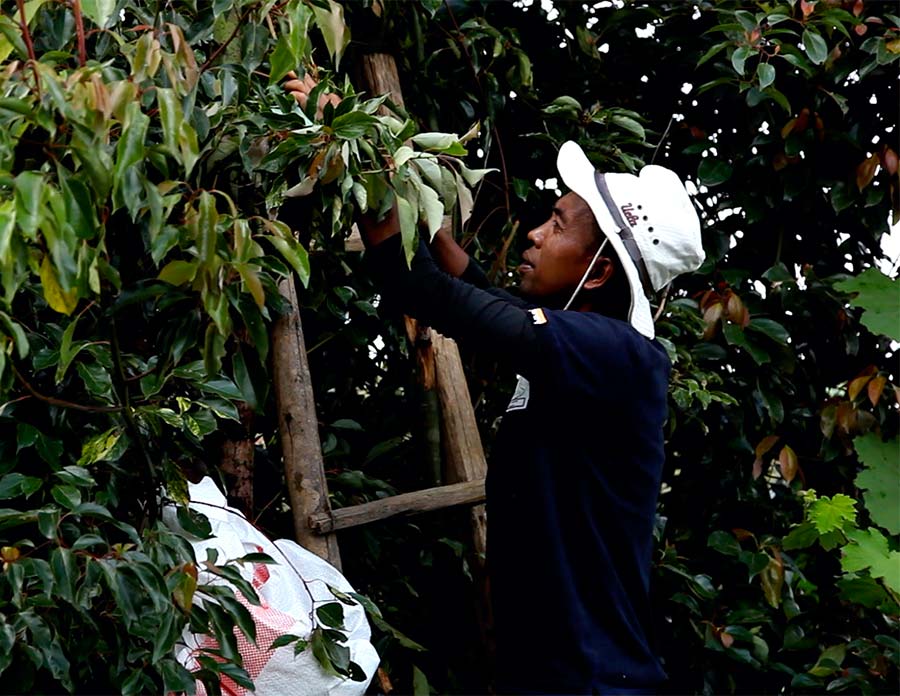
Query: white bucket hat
648, 219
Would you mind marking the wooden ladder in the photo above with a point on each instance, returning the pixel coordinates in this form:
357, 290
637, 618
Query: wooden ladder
440, 370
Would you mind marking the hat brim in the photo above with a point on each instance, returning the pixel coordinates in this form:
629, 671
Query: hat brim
577, 172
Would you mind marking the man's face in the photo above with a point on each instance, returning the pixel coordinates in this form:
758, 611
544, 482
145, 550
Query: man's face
561, 250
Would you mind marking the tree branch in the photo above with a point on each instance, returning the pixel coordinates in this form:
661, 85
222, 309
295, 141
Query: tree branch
79, 32
53, 401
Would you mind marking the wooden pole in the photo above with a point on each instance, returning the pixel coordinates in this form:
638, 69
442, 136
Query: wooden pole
297, 423
464, 454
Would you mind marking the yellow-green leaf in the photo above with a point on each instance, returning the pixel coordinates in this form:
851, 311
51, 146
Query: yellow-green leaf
60, 300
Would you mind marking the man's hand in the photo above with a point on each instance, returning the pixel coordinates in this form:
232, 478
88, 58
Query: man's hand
300, 89
449, 256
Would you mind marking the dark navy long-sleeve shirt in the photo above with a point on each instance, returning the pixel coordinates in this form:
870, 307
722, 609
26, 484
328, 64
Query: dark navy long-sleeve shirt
572, 482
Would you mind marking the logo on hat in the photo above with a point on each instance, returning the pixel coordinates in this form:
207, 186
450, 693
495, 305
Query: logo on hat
630, 216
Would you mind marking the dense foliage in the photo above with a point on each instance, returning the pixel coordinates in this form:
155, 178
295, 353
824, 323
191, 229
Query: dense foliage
143, 147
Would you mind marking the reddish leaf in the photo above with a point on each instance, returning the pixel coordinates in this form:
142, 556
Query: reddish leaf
876, 386
742, 534
857, 8
788, 128
727, 639
856, 386
709, 297
766, 444
772, 580
860, 29
807, 8
819, 125
865, 172
846, 417
757, 468
787, 460
713, 313
735, 309
889, 161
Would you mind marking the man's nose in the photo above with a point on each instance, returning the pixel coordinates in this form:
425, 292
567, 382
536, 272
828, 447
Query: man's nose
536, 235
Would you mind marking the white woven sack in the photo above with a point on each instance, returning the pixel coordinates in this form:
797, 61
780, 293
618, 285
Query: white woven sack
287, 591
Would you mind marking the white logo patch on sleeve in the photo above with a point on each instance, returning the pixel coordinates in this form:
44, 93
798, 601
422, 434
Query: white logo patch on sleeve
538, 316
519, 400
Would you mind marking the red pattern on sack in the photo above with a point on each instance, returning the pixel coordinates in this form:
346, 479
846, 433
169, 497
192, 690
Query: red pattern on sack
270, 624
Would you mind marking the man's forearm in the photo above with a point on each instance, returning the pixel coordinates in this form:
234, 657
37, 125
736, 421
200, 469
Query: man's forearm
448, 255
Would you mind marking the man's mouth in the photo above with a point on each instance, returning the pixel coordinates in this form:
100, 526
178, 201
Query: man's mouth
526, 266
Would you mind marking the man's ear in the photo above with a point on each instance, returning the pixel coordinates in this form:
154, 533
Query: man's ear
602, 272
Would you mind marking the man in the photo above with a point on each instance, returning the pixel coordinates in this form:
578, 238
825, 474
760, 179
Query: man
575, 472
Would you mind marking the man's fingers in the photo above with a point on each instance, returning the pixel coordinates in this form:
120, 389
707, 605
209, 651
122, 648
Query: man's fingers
295, 86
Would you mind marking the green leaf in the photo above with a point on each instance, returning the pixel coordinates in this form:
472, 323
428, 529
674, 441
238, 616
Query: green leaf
170, 116
421, 687
283, 640
130, 148
712, 52
320, 651
29, 196
282, 60
739, 57
446, 143
630, 125
862, 590
408, 218
352, 125
815, 46
770, 328
331, 615
879, 479
293, 252
334, 30
98, 447
713, 172
831, 514
98, 11
879, 296
178, 272
766, 74
829, 661
724, 542
800, 537
868, 550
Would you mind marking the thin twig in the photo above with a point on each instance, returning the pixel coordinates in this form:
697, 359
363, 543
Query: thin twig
662, 303
662, 139
53, 401
26, 35
79, 32
223, 46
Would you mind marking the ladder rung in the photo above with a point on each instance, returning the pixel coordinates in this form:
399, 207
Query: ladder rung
465, 493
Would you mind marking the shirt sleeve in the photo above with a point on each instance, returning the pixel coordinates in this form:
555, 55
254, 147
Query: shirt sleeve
475, 275
478, 317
